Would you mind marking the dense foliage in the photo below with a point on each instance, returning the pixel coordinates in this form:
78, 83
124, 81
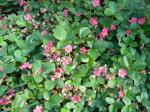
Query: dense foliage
74, 55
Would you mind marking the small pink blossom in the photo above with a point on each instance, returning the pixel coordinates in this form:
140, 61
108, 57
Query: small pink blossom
11, 93
66, 60
38, 109
103, 69
97, 72
133, 20
47, 48
122, 73
54, 57
95, 3
5, 100
65, 12
83, 50
25, 65
121, 93
40, 70
78, 14
44, 32
27, 16
107, 77
93, 21
112, 27
58, 73
128, 32
103, 33
68, 48
75, 99
100, 71
141, 21
22, 3
67, 87
53, 1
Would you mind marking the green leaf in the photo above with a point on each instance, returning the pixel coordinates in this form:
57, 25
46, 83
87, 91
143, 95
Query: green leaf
48, 67
11, 37
3, 89
119, 16
139, 65
9, 68
46, 95
127, 101
49, 85
112, 83
31, 85
113, 6
60, 83
101, 45
108, 12
64, 110
61, 34
126, 62
84, 31
19, 57
20, 21
38, 77
144, 95
113, 108
21, 43
93, 53
52, 102
109, 100
61, 44
25, 77
84, 58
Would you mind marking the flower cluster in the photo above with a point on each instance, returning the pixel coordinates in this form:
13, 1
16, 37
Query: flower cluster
74, 55
5, 100
25, 65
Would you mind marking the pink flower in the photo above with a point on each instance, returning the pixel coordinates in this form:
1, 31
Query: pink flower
78, 14
65, 12
5, 100
44, 32
54, 57
58, 72
96, 3
97, 72
121, 93
75, 99
141, 21
25, 65
40, 70
103, 69
11, 93
22, 3
107, 77
38, 109
133, 20
68, 48
66, 60
112, 27
27, 16
103, 33
93, 21
53, 1
128, 32
67, 87
122, 73
47, 48
83, 50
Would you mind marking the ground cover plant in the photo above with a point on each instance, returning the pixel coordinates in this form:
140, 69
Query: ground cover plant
74, 56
